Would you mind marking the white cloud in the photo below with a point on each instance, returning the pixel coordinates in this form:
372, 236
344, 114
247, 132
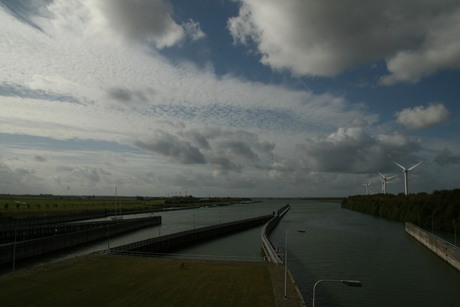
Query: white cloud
422, 117
130, 92
354, 150
440, 49
324, 38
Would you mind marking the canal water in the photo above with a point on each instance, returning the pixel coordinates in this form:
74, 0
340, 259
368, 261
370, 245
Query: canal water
395, 270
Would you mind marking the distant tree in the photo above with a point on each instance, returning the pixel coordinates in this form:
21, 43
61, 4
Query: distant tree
436, 210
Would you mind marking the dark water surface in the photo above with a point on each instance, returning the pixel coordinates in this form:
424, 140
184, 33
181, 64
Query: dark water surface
341, 244
337, 244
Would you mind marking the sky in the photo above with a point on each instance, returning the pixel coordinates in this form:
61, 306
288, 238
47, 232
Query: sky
215, 98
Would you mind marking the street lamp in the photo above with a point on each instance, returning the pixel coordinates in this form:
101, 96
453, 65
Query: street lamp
351, 283
286, 258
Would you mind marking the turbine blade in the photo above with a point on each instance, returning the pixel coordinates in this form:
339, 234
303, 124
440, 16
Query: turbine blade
391, 177
411, 168
381, 174
399, 165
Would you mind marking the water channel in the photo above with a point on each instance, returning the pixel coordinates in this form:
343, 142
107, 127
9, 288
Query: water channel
337, 244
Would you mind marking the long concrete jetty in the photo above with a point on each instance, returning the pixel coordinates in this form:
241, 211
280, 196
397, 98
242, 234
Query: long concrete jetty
267, 246
445, 250
19, 250
180, 239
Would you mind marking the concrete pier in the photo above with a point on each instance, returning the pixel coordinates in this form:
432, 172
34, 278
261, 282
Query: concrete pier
445, 250
184, 238
19, 250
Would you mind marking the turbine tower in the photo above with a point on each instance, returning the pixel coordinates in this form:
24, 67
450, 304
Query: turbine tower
384, 181
367, 186
406, 173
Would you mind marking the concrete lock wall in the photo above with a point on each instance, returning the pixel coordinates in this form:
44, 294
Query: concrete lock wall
447, 251
23, 233
184, 238
30, 248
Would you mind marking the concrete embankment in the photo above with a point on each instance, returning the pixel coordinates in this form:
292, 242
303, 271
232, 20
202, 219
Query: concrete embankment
267, 246
293, 295
447, 251
19, 250
184, 238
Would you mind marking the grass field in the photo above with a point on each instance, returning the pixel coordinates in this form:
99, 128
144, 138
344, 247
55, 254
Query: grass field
22, 206
19, 206
101, 280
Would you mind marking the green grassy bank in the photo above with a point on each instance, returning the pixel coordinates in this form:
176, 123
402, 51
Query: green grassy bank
22, 206
101, 280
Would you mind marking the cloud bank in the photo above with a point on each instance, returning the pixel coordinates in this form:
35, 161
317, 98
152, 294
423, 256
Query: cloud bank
325, 38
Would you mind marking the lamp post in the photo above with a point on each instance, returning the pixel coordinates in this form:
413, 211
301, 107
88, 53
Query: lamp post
286, 260
455, 234
351, 283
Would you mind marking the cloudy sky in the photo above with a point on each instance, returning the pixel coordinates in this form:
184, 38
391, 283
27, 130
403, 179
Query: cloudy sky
228, 98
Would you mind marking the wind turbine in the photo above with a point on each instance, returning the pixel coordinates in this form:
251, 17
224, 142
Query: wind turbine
367, 186
384, 181
406, 172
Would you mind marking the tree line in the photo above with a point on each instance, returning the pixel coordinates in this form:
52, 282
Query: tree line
438, 211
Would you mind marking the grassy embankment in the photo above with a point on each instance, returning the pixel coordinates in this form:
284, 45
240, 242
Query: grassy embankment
16, 206
101, 280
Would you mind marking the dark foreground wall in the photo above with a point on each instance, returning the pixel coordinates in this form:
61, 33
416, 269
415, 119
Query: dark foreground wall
30, 248
447, 251
180, 239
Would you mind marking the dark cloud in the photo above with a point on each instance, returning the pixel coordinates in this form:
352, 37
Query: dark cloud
239, 149
198, 138
18, 180
120, 94
447, 158
86, 174
232, 149
127, 95
224, 150
148, 21
224, 164
174, 148
16, 90
39, 158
